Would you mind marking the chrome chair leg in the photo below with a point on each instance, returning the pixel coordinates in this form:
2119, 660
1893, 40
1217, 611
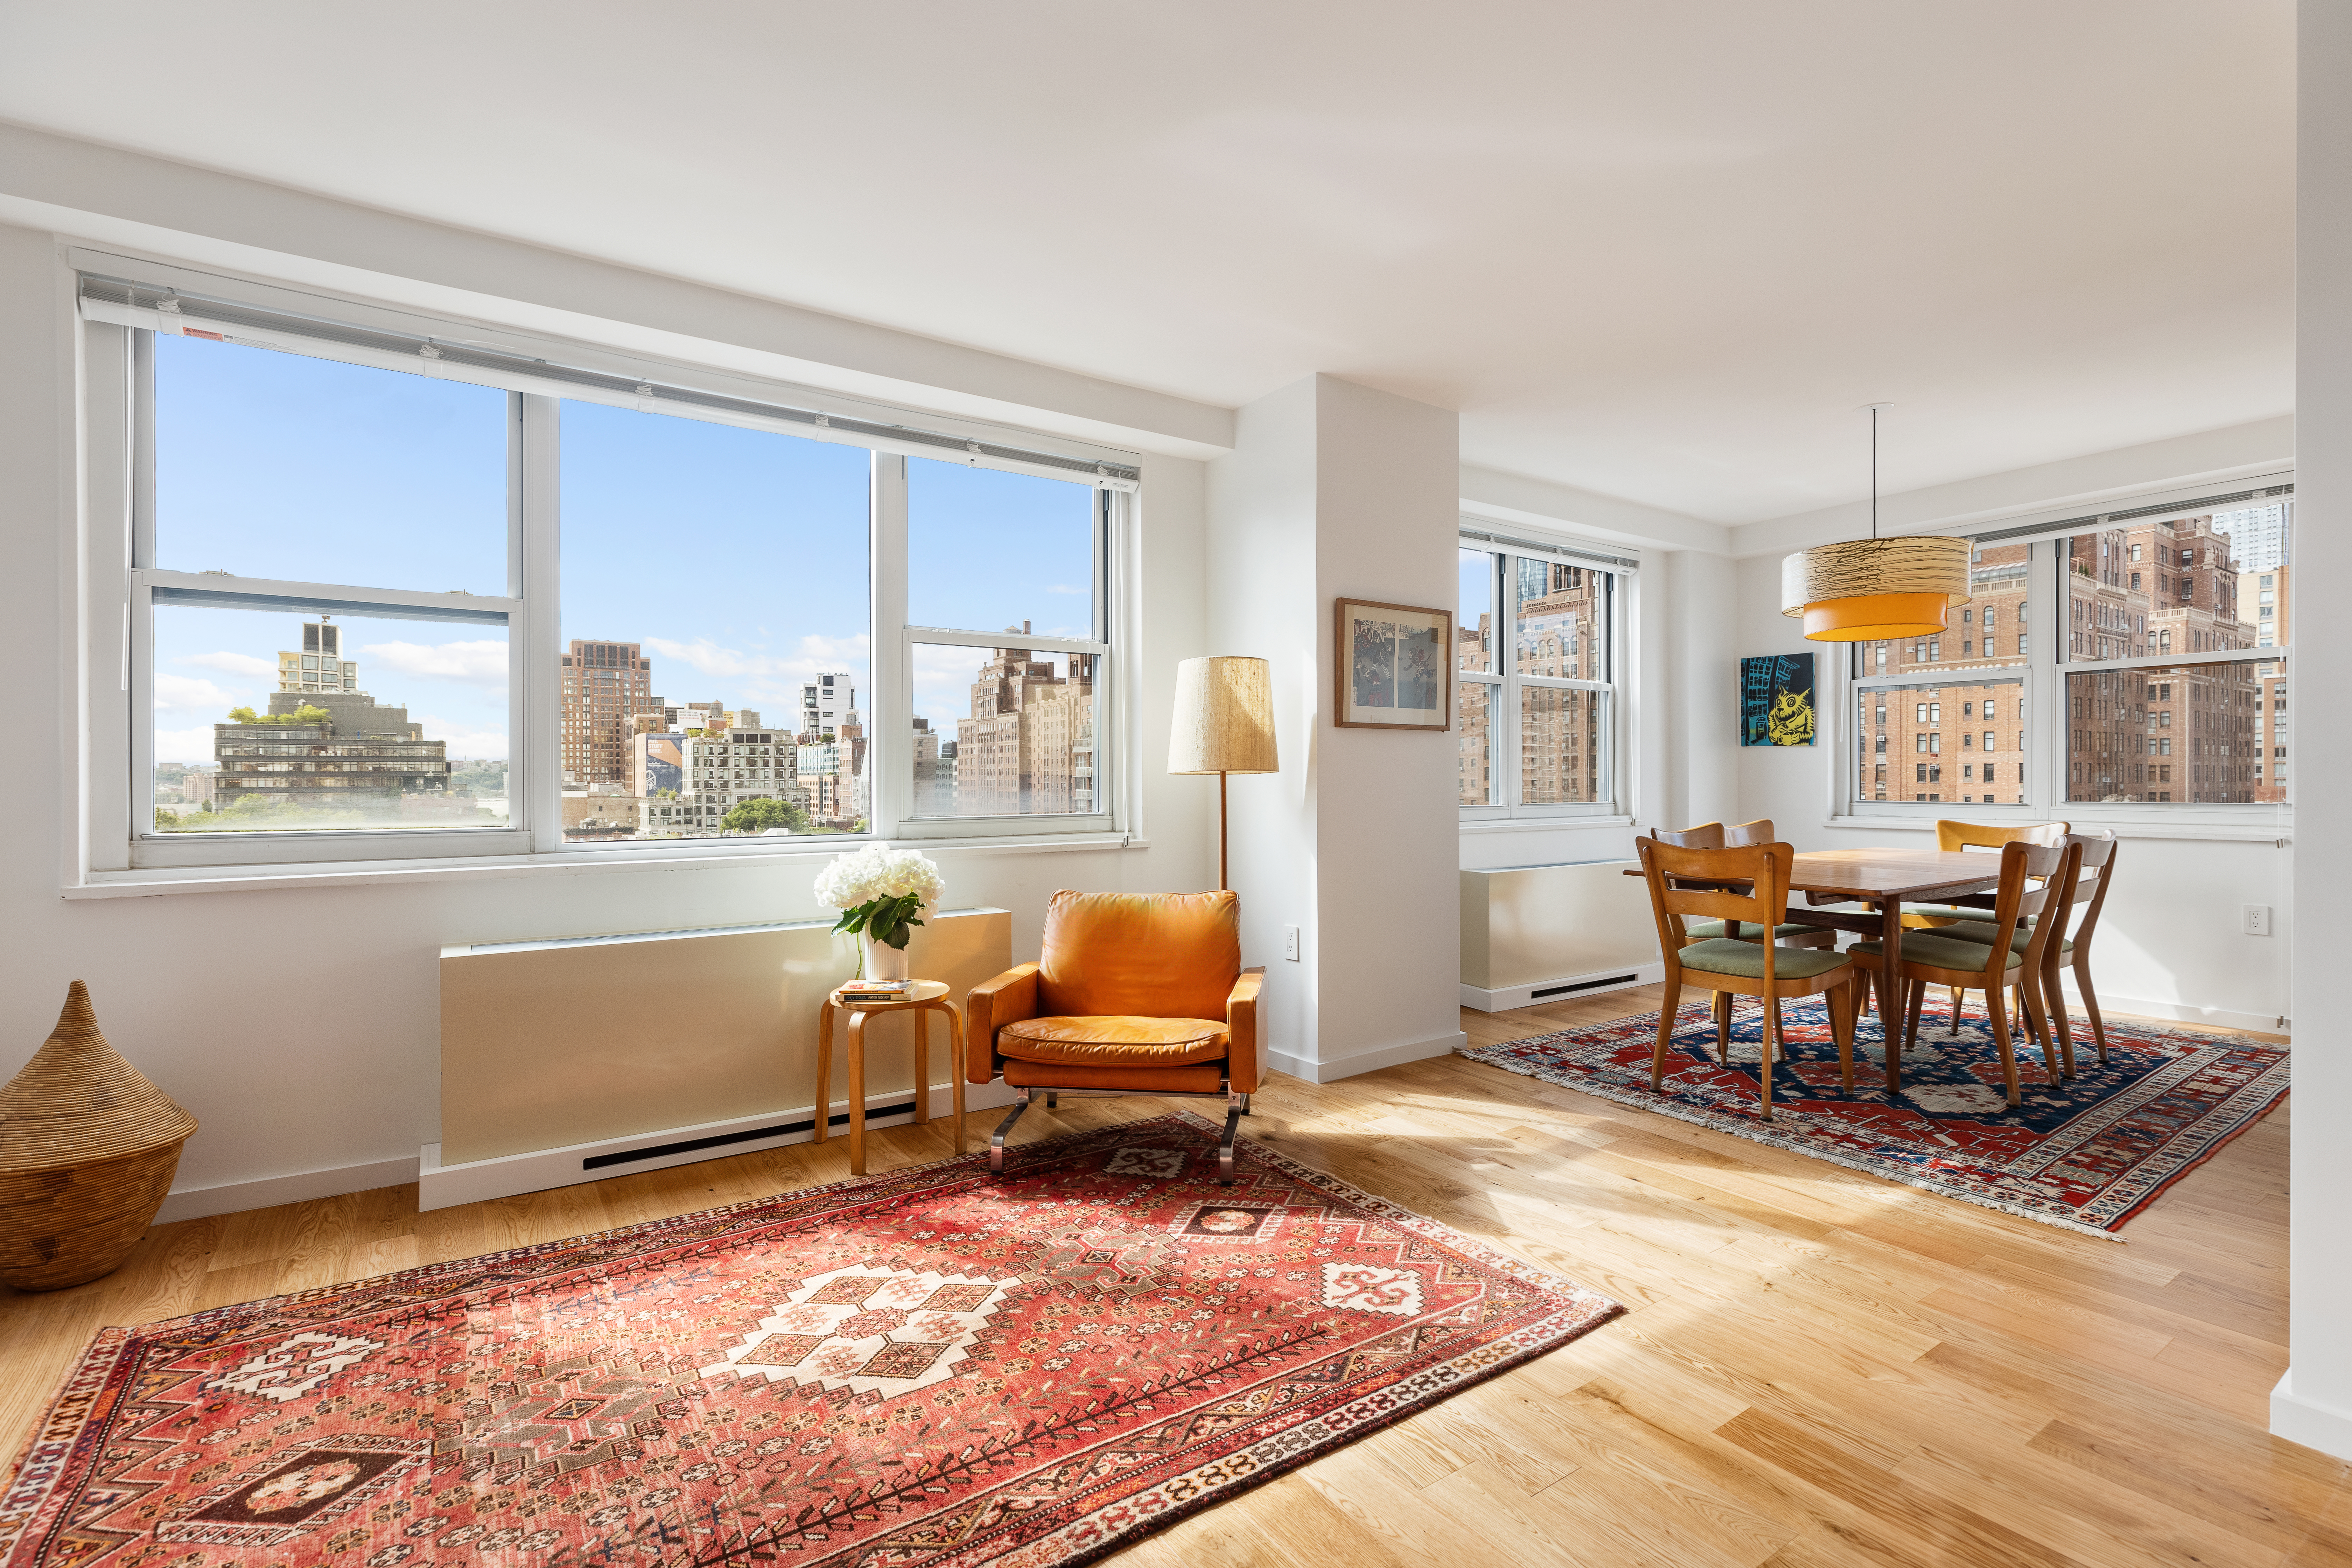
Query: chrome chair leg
996, 1139
1237, 1107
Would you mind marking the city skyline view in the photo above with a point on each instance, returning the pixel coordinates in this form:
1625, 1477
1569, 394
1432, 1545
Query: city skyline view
736, 558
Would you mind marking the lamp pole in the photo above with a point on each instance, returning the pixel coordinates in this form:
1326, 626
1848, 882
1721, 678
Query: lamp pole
1221, 830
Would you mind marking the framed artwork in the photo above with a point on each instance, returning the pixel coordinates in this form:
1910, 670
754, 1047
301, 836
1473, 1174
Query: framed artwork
1395, 667
1776, 700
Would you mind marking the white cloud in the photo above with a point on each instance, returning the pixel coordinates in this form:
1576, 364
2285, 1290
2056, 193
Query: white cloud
482, 663
463, 741
232, 664
758, 677
185, 692
184, 745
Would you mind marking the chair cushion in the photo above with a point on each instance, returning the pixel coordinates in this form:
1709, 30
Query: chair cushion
1981, 932
1713, 929
1937, 951
1115, 1040
1745, 959
1162, 955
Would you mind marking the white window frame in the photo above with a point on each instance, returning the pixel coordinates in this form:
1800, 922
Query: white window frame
120, 584
1505, 683
2042, 685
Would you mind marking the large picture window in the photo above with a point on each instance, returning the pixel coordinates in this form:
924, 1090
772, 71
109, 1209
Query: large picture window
393, 594
2137, 664
1535, 683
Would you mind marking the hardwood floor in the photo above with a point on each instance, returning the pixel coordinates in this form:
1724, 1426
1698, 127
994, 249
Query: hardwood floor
1816, 1368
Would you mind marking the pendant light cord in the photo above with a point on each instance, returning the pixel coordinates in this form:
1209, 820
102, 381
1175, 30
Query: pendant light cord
1873, 473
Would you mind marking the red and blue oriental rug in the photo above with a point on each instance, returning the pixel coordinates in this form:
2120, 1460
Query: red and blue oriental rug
924, 1367
2087, 1154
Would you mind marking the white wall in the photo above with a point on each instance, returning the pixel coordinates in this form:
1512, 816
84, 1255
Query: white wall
2170, 942
1334, 489
2314, 1401
322, 1068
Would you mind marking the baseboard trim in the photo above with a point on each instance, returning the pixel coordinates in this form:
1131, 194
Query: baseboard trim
2178, 1012
1592, 984
2314, 1426
440, 1187
1365, 1061
268, 1191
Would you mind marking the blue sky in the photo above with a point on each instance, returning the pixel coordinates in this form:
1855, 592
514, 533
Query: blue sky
736, 558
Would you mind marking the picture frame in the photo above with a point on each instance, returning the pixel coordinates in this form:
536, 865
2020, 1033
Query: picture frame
1775, 699
1394, 666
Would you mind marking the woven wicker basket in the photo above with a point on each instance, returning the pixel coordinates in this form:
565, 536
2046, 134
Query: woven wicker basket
87, 1146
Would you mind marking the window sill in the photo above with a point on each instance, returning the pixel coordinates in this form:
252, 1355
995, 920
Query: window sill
1543, 824
2281, 833
149, 883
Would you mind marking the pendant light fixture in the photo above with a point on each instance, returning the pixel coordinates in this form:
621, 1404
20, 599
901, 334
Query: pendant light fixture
1866, 590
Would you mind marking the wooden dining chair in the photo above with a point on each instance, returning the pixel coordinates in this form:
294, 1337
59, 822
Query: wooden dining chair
2031, 876
1734, 968
2094, 871
1716, 835
1951, 836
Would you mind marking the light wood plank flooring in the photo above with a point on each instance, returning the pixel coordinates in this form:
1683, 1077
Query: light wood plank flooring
1817, 1368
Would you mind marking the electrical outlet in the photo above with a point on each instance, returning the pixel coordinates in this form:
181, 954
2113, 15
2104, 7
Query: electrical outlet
1290, 943
2258, 920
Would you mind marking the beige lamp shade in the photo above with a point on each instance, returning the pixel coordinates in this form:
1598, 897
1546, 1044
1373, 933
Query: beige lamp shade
1868, 589
1225, 717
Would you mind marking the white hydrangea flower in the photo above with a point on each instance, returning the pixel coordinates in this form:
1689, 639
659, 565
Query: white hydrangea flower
877, 872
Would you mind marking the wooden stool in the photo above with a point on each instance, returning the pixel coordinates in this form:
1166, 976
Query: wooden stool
925, 996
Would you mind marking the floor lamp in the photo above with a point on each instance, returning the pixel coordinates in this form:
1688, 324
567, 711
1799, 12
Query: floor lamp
1224, 724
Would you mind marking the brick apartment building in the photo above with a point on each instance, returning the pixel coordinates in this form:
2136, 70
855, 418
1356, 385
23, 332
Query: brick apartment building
605, 685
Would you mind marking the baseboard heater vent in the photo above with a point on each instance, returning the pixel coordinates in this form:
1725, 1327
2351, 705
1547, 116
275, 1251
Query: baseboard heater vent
1564, 990
694, 1145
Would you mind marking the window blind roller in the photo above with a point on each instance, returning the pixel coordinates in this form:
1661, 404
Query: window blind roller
124, 302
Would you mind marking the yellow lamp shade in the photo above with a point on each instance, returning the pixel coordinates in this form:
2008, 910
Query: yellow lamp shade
1225, 717
1866, 590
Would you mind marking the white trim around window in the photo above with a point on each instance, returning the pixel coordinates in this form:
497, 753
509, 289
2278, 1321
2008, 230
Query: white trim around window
117, 588
2041, 681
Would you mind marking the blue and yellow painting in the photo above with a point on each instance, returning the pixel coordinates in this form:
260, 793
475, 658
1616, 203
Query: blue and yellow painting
1776, 700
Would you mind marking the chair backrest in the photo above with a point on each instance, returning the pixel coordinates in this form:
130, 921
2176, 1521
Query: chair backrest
1756, 832
2097, 870
1764, 869
1150, 955
2036, 880
1706, 836
1983, 835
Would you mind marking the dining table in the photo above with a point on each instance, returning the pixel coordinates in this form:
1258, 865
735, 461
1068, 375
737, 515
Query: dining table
1885, 879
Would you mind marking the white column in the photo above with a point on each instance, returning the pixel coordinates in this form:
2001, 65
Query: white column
2313, 1403
1333, 490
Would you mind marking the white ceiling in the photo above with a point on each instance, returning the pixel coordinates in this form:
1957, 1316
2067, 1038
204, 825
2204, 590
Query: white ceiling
1661, 251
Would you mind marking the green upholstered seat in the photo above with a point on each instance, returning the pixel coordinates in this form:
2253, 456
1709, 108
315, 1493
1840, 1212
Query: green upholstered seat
1981, 932
1747, 929
1941, 951
1745, 959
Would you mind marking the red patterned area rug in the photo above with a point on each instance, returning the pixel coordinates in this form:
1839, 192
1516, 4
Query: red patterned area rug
925, 1367
2088, 1154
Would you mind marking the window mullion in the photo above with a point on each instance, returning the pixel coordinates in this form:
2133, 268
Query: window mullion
535, 711
890, 762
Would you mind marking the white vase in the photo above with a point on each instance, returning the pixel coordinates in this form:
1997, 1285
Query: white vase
883, 962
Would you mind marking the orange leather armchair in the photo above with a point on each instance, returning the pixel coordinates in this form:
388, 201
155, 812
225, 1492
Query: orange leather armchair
1141, 994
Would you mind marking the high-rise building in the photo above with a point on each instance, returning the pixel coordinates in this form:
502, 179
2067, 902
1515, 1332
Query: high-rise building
827, 703
1020, 750
605, 685
360, 749
319, 667
2258, 534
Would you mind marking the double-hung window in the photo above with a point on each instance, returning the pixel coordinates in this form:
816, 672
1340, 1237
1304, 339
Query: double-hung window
2143, 695
1538, 640
391, 588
